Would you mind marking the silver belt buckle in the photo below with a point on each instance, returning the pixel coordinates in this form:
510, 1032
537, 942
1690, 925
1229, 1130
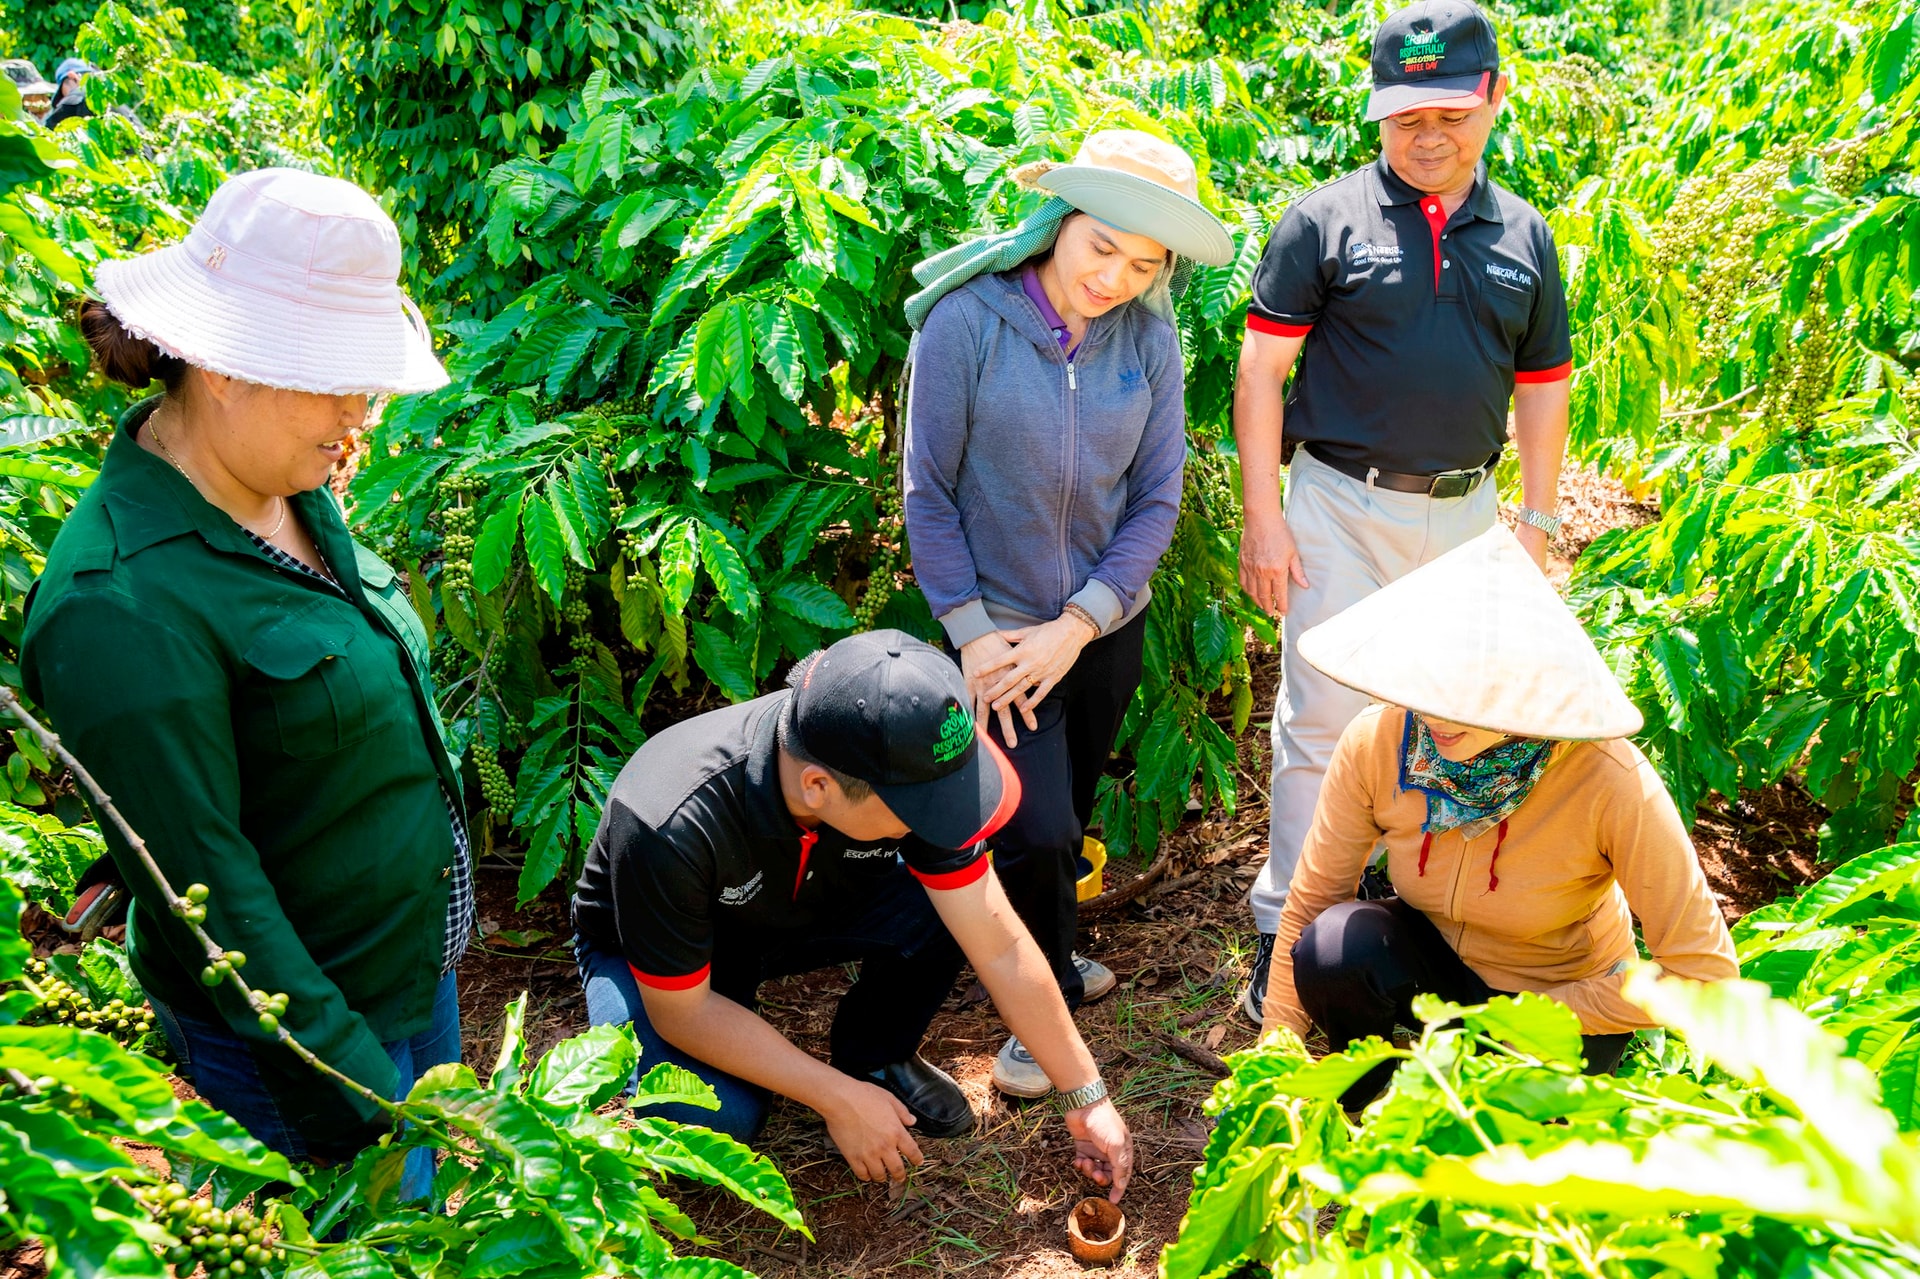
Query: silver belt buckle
1454, 483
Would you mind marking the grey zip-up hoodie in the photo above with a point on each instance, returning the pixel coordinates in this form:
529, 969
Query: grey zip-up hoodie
1032, 480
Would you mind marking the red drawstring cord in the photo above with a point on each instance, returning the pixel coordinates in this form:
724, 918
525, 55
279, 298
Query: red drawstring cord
807, 839
1493, 880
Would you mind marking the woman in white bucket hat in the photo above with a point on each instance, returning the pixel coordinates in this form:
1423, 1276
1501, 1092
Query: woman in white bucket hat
247, 681
1523, 832
1046, 436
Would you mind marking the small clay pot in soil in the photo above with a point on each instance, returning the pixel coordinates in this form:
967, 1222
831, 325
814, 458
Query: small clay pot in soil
1096, 1231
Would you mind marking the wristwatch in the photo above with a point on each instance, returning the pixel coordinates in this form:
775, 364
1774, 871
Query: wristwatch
1084, 1096
1548, 524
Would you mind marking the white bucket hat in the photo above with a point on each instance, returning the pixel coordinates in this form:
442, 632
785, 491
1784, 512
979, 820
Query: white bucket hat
1477, 637
290, 280
1137, 183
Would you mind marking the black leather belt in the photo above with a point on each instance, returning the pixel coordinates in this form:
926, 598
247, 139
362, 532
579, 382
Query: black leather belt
1444, 484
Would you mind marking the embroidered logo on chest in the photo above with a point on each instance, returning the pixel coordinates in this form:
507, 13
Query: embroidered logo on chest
1365, 253
1511, 276
744, 893
868, 854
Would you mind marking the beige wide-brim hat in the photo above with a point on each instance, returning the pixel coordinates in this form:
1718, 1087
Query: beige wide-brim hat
1140, 184
290, 280
1477, 637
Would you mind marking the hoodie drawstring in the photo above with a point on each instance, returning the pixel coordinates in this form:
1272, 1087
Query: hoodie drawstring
1493, 880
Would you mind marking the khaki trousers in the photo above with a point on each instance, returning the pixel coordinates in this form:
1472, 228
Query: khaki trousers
1353, 539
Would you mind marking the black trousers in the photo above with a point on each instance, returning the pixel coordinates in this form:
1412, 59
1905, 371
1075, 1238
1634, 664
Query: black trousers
1060, 764
908, 965
908, 962
1358, 967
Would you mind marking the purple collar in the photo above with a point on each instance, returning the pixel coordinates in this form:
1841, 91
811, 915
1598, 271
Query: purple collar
1030, 281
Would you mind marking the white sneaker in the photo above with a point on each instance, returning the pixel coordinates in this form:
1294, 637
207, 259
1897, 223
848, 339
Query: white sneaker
1096, 979
1017, 1074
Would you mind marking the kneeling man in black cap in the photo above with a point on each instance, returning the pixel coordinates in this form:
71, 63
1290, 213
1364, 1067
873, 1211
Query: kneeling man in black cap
840, 819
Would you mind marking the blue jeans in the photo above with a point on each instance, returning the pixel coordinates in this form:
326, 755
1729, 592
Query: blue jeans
908, 963
221, 1067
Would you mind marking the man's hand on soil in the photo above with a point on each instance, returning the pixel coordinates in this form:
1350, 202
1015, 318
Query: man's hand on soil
1102, 1146
868, 1125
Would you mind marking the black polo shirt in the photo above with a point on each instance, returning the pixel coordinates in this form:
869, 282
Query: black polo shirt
696, 844
1417, 324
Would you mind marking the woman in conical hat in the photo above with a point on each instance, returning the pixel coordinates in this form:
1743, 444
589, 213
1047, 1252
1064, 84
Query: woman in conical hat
1523, 832
1046, 435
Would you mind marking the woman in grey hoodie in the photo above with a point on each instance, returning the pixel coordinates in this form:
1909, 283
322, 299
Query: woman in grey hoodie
1045, 442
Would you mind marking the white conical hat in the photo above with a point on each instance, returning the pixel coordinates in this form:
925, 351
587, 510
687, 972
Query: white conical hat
1477, 637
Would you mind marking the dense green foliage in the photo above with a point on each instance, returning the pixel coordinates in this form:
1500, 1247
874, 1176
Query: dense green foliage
233, 36
424, 99
1758, 1149
1745, 312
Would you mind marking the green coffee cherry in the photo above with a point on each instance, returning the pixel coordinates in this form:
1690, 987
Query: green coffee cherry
198, 893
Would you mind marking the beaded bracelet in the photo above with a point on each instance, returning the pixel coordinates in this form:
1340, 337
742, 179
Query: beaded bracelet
1081, 613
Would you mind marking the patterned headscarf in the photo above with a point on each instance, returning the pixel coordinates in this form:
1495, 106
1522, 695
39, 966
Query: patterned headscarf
1471, 795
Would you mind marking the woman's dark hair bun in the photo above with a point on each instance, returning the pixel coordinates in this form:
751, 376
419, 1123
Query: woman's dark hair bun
124, 358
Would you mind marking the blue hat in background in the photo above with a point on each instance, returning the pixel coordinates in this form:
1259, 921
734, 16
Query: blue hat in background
70, 66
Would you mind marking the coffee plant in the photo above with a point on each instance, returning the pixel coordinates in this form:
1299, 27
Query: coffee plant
423, 100
1753, 1146
229, 1241
226, 34
1758, 375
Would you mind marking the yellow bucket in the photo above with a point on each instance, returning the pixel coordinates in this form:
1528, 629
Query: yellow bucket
1093, 883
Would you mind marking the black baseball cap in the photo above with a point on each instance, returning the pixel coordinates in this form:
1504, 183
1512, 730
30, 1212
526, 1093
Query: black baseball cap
1436, 53
892, 711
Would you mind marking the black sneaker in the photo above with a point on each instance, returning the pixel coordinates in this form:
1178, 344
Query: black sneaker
939, 1107
1254, 997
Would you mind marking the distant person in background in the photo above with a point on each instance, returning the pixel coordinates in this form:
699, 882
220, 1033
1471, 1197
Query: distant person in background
1046, 438
36, 94
1420, 300
1524, 834
70, 96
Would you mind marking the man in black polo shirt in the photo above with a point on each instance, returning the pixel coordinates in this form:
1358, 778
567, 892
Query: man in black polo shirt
840, 819
1419, 298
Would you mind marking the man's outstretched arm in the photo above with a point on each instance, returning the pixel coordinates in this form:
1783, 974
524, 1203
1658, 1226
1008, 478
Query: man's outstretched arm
1016, 974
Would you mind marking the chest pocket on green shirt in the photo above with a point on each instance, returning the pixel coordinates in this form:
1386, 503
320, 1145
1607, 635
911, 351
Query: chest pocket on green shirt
327, 682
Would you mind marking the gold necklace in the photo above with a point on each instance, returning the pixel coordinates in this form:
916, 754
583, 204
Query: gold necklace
153, 425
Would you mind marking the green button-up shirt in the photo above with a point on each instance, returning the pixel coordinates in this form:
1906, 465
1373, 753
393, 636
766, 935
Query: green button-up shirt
266, 737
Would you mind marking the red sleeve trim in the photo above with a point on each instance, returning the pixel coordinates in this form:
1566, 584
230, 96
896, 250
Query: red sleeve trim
972, 872
1558, 373
687, 982
1278, 329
